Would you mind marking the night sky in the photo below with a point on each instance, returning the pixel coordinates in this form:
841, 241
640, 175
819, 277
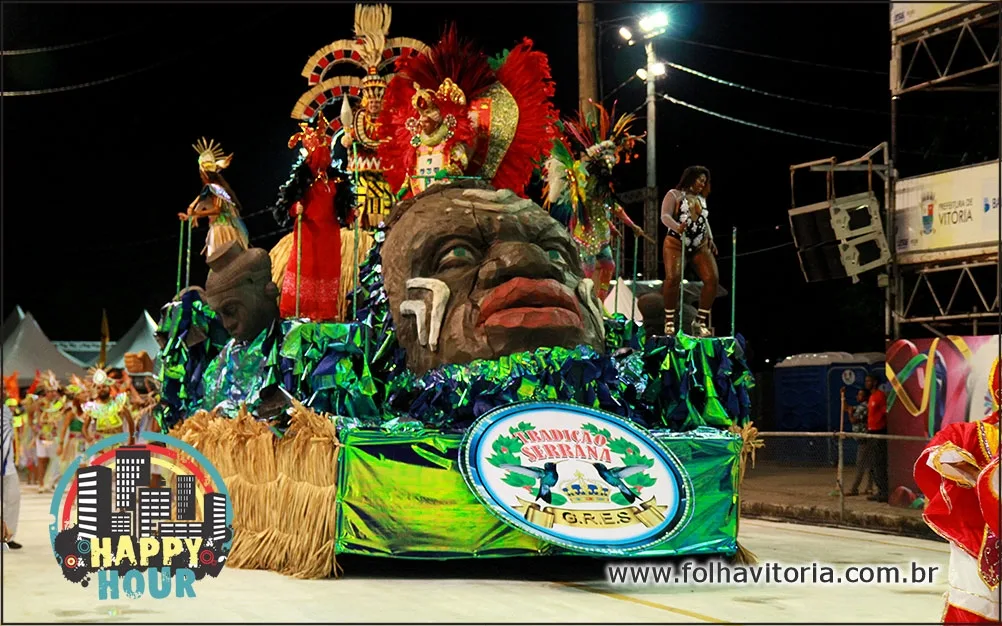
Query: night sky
93, 178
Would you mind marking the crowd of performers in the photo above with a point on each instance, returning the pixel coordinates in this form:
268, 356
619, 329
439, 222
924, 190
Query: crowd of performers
54, 423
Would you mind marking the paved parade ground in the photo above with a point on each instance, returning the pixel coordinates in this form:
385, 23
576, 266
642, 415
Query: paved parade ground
510, 590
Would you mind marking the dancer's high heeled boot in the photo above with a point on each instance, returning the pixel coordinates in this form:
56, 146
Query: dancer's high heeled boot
701, 325
670, 322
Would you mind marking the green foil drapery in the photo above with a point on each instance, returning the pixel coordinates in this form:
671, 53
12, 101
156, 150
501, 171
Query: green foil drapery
241, 372
402, 495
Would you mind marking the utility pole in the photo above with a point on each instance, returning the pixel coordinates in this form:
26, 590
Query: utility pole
651, 213
587, 60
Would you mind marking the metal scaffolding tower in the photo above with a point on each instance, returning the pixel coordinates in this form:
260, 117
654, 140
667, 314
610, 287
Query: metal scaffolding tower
943, 289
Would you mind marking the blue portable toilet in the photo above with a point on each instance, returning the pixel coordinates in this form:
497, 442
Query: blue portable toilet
808, 399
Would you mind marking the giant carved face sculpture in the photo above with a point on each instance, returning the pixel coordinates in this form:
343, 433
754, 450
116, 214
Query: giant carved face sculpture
474, 273
240, 291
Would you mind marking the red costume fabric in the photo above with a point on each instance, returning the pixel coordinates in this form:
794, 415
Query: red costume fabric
320, 232
320, 279
958, 473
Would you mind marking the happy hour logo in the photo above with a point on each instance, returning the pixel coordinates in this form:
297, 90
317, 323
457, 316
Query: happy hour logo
576, 477
140, 539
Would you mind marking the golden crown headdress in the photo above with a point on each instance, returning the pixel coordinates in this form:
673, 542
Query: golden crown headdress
424, 100
211, 157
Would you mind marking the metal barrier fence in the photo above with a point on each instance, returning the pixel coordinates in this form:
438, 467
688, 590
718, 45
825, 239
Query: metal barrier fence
825, 477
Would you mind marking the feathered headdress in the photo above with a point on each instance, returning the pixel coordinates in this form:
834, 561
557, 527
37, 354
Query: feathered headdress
597, 136
49, 382
99, 377
77, 385
592, 147
311, 137
504, 116
11, 390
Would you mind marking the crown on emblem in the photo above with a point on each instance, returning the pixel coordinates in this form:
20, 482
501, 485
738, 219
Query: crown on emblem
579, 490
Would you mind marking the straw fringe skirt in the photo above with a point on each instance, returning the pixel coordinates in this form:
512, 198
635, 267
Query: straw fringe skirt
283, 491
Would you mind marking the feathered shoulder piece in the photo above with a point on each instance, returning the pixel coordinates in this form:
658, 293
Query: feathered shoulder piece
523, 120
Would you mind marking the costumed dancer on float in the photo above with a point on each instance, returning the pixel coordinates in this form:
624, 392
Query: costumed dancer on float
683, 211
958, 473
315, 197
579, 176
356, 131
217, 202
443, 109
362, 132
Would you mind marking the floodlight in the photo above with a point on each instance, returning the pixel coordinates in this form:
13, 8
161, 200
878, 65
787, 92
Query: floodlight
658, 69
625, 33
642, 73
653, 22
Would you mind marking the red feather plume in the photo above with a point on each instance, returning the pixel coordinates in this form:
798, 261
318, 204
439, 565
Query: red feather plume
526, 75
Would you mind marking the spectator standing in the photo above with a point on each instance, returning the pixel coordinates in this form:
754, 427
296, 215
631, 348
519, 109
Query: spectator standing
876, 424
864, 451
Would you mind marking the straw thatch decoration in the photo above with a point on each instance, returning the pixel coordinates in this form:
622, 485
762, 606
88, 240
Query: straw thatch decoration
750, 443
283, 491
365, 243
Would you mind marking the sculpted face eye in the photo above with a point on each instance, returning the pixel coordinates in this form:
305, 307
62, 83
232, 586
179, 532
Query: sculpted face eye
458, 255
556, 255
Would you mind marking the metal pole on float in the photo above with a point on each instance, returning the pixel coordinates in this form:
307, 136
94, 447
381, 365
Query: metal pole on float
633, 284
650, 203
180, 255
734, 278
841, 462
681, 285
299, 253
187, 272
354, 255
619, 270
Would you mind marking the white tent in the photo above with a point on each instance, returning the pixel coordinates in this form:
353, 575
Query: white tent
11, 323
28, 349
141, 337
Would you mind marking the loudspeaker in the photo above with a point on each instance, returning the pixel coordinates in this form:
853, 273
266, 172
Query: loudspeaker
839, 238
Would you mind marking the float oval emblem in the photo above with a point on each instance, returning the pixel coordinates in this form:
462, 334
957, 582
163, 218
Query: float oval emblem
576, 477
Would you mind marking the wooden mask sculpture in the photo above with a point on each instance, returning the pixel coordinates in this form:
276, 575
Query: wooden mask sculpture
475, 273
240, 291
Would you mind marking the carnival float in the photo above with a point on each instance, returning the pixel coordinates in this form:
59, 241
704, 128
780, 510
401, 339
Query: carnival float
423, 367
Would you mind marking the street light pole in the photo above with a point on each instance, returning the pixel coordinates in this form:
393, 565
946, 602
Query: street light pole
651, 217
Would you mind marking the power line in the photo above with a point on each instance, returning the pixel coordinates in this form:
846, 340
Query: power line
67, 46
93, 83
778, 58
101, 81
761, 126
769, 94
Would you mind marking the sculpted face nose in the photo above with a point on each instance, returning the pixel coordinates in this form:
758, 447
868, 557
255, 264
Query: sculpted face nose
510, 259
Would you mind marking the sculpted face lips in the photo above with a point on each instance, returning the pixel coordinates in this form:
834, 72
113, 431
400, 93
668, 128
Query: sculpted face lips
530, 303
